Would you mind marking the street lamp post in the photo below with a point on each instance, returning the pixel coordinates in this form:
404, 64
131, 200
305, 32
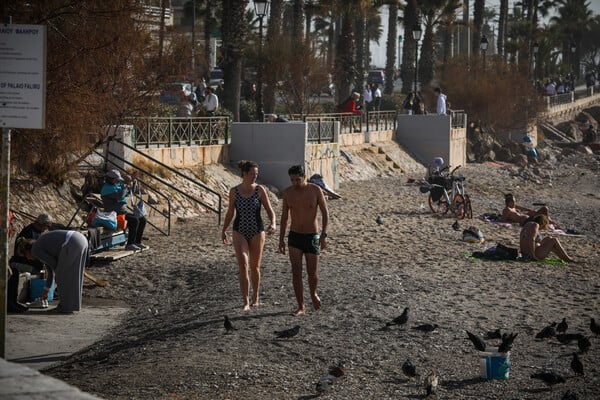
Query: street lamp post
483, 45
260, 8
417, 36
536, 49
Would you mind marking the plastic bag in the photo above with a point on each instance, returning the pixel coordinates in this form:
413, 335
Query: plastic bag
139, 209
105, 219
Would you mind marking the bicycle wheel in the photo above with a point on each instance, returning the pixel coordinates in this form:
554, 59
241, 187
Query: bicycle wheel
438, 207
458, 206
468, 207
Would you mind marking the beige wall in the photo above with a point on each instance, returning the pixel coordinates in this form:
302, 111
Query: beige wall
323, 159
186, 156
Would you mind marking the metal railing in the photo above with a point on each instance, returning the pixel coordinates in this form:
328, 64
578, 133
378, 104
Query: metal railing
570, 97
321, 130
182, 131
382, 120
349, 122
458, 119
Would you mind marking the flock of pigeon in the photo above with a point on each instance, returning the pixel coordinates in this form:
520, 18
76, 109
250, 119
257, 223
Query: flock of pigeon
430, 381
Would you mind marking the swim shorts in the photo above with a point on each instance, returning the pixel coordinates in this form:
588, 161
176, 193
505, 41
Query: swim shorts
307, 242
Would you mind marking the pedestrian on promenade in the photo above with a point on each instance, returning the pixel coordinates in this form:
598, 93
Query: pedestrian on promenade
245, 201
301, 201
441, 101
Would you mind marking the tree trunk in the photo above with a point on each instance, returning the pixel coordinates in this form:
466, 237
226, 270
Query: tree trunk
273, 35
407, 70
478, 7
298, 21
234, 29
502, 27
392, 39
361, 49
344, 60
427, 60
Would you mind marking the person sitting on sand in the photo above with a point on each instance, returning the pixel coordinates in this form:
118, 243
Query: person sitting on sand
301, 201
534, 247
516, 214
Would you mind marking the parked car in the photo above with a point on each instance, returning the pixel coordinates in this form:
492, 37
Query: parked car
216, 77
174, 91
376, 76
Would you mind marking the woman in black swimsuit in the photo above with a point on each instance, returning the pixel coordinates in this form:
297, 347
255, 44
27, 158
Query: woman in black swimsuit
245, 201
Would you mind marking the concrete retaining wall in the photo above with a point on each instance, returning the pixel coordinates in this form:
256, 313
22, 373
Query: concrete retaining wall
429, 136
186, 156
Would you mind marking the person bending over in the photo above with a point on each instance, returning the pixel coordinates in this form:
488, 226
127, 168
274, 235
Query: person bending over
534, 247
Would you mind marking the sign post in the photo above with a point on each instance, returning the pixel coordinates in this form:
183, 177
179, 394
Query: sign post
22, 106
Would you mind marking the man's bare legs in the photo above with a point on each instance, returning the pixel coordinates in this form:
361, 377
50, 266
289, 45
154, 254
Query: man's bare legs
548, 245
256, 248
296, 261
242, 252
312, 267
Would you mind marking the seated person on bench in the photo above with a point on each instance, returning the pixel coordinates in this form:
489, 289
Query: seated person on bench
515, 213
114, 198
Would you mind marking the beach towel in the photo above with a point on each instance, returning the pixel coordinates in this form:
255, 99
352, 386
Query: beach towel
546, 261
494, 219
318, 180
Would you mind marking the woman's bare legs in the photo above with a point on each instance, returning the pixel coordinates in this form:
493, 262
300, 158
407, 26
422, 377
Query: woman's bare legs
548, 245
242, 254
256, 246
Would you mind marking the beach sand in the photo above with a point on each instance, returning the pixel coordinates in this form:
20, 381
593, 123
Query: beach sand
172, 343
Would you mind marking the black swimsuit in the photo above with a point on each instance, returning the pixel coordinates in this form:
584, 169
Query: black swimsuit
247, 215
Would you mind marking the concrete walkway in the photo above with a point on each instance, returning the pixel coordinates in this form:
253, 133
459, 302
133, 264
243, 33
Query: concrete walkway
37, 339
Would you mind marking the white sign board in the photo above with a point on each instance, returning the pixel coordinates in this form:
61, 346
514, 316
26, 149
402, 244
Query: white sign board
22, 76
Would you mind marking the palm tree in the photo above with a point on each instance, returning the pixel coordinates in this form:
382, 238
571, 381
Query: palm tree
273, 36
234, 31
478, 8
391, 47
502, 23
407, 70
573, 19
434, 12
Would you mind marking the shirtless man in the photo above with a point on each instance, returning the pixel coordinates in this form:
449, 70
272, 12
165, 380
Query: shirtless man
301, 202
534, 247
515, 213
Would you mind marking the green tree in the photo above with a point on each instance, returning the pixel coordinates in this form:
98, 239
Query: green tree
478, 9
271, 55
573, 20
102, 66
434, 12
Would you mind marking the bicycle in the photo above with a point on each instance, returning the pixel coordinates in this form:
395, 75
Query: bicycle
443, 187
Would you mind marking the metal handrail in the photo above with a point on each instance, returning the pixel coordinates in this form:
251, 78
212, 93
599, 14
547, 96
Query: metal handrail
382, 120
176, 172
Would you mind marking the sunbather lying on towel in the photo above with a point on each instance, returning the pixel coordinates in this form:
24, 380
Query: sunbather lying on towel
534, 247
514, 213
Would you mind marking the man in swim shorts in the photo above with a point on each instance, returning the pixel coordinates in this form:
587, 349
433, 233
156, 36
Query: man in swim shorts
301, 201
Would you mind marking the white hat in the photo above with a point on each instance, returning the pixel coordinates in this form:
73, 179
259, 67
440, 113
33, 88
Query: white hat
114, 174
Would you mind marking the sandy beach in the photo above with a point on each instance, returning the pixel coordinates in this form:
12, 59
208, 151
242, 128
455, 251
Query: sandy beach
172, 343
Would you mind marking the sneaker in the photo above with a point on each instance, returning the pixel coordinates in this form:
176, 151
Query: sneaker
38, 303
132, 247
142, 246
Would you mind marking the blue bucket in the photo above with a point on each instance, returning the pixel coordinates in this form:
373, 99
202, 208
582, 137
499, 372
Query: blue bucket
494, 365
37, 287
